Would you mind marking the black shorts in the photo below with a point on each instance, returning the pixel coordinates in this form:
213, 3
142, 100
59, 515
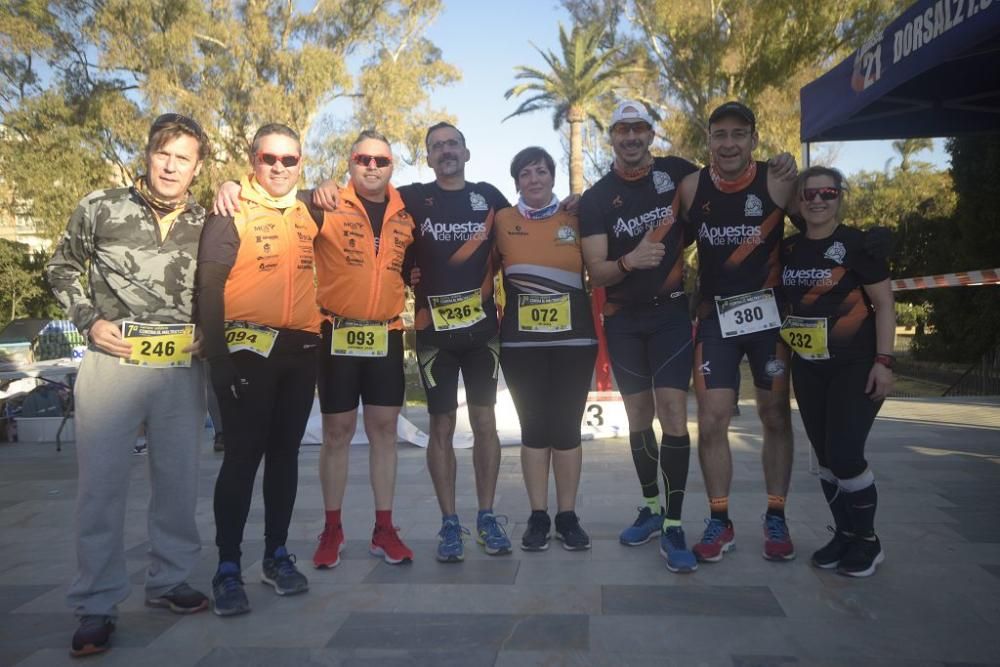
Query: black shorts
650, 347
442, 354
717, 359
549, 386
375, 380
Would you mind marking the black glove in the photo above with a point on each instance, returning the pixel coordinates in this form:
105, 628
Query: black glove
878, 242
226, 380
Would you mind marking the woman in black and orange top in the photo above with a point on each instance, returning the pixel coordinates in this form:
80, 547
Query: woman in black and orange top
841, 329
548, 345
257, 310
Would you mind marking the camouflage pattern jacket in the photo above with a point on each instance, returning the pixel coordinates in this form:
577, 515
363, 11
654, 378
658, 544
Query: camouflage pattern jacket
113, 236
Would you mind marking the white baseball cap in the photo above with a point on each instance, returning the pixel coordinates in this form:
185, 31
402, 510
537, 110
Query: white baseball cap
631, 112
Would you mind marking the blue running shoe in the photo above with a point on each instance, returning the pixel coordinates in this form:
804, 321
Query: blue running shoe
642, 530
673, 547
228, 592
450, 548
491, 534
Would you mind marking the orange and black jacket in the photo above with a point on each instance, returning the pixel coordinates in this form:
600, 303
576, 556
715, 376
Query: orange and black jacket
257, 266
353, 280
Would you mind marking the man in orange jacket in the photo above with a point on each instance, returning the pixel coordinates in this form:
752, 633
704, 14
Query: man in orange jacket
359, 260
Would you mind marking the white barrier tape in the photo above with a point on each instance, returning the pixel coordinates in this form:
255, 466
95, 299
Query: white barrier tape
960, 279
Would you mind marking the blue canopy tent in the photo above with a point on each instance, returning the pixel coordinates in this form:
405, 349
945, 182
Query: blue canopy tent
932, 72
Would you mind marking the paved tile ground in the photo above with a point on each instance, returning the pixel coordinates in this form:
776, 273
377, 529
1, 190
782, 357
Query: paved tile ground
935, 601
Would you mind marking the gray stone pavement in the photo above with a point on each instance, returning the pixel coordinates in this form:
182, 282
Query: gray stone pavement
935, 601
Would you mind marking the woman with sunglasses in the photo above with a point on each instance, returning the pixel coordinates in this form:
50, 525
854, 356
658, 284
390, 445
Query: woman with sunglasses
841, 328
257, 311
548, 344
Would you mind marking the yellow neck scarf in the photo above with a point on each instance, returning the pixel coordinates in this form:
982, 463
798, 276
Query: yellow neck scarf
253, 191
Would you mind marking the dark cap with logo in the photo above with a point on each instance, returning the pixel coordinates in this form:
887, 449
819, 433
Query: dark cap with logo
186, 122
733, 108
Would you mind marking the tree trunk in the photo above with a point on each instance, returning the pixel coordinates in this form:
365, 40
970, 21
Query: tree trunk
576, 182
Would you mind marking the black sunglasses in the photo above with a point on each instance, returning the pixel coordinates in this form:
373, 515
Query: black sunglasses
287, 161
363, 160
826, 194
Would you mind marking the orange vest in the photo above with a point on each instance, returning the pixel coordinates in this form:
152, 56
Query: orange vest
272, 282
352, 281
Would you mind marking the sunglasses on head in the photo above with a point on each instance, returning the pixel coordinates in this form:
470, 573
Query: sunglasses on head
287, 161
826, 194
363, 160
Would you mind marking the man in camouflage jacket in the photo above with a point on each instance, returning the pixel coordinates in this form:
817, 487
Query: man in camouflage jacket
138, 248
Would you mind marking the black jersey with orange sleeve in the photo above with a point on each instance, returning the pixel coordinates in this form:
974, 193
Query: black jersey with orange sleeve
453, 245
541, 259
624, 211
739, 239
826, 278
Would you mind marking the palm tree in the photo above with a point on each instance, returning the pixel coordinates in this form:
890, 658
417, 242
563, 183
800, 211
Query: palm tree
571, 87
907, 148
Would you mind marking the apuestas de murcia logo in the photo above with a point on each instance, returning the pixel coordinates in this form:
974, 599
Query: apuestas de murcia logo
642, 223
662, 182
836, 252
478, 202
730, 235
453, 231
754, 207
806, 277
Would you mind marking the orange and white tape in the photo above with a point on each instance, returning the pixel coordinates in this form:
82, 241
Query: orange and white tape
960, 279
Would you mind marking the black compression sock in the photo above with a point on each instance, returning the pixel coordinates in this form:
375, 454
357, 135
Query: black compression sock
646, 460
675, 456
837, 500
862, 505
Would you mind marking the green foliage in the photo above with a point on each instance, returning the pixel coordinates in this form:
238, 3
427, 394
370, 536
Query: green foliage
80, 82
575, 86
22, 287
965, 321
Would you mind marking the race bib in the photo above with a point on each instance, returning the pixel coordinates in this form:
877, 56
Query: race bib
158, 345
543, 313
747, 313
456, 311
357, 338
251, 337
806, 336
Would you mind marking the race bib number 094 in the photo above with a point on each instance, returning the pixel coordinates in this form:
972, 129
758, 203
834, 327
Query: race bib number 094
355, 338
806, 336
250, 337
543, 313
747, 313
158, 345
456, 311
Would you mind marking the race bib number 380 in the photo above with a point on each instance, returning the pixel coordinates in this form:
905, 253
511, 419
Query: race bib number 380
747, 313
456, 311
158, 345
543, 313
355, 338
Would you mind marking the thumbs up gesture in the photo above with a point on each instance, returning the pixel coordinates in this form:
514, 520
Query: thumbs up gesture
647, 254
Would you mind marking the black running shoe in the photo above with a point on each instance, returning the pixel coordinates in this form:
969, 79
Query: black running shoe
280, 573
93, 636
181, 599
829, 556
568, 529
536, 535
228, 592
862, 557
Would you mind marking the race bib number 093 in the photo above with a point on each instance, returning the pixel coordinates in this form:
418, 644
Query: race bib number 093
747, 313
543, 313
356, 338
158, 345
456, 311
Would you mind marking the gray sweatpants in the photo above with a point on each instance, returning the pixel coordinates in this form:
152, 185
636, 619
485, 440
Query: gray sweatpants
112, 402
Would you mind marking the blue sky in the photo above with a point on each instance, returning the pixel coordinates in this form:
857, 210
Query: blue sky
486, 40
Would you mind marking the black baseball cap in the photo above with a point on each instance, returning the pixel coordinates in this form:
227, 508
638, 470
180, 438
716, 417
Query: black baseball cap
733, 108
186, 122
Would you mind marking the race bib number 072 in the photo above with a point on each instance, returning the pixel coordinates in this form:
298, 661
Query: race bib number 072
158, 345
747, 313
543, 313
